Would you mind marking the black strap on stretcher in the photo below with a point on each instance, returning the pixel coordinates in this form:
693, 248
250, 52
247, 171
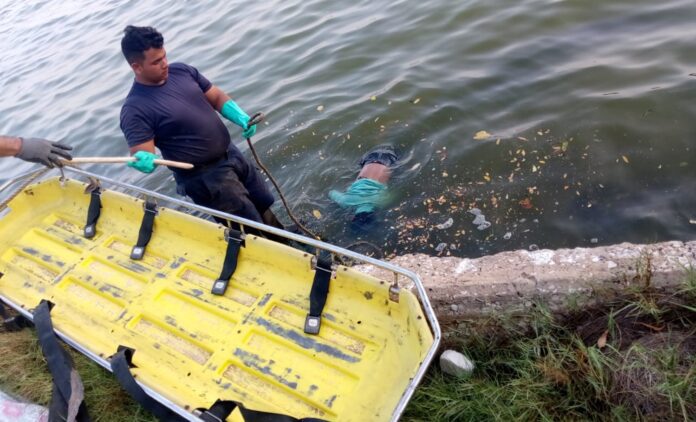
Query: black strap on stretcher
319, 292
121, 363
93, 213
145, 232
219, 411
68, 392
12, 323
235, 240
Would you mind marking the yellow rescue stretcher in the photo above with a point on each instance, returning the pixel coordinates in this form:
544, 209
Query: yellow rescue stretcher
204, 315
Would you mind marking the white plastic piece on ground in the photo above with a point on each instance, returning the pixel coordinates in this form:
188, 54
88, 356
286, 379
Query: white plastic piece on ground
455, 363
12, 410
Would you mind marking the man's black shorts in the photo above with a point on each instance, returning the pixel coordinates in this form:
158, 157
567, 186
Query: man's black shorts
232, 185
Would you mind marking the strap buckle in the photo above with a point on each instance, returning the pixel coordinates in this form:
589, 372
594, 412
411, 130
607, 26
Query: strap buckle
235, 235
219, 287
312, 324
90, 230
137, 253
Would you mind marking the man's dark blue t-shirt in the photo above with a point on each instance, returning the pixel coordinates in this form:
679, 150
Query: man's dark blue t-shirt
177, 116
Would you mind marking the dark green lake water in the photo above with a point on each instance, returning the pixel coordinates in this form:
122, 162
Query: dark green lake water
589, 104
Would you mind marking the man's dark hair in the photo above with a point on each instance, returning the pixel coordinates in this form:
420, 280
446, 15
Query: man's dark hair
137, 39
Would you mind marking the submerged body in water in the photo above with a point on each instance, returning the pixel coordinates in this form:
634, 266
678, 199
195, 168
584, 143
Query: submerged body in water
369, 191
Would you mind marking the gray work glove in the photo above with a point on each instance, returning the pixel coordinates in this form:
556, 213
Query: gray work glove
37, 150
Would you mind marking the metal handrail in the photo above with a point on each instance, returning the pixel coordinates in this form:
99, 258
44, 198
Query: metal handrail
420, 289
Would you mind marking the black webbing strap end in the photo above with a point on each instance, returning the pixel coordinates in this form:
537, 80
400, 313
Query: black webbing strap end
13, 323
93, 213
67, 400
121, 363
235, 239
319, 293
145, 232
218, 412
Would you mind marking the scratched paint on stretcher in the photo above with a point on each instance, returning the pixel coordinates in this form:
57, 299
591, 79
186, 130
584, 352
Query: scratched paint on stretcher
193, 347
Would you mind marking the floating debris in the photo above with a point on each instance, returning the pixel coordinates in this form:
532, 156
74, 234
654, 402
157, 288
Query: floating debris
482, 135
441, 247
480, 219
507, 236
446, 225
316, 214
533, 247
320, 108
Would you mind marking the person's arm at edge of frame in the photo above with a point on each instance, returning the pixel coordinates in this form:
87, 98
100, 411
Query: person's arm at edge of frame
35, 150
10, 145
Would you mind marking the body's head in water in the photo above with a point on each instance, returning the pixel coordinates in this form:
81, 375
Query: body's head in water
368, 193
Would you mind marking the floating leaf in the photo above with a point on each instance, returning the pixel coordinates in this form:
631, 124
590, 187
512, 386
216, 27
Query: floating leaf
625, 159
526, 203
534, 169
481, 135
486, 177
416, 101
564, 146
602, 341
316, 214
320, 108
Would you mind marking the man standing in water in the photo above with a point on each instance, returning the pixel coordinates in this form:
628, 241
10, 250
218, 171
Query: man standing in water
35, 150
175, 108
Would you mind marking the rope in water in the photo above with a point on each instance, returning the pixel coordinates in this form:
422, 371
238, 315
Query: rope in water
280, 193
289, 211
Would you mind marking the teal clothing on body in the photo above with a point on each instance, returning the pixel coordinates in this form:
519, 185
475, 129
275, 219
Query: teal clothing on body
364, 194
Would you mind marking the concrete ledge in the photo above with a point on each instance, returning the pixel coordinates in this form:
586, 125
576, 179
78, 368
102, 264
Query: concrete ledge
510, 281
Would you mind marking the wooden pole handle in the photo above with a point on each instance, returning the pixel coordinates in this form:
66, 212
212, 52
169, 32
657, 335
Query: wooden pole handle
113, 160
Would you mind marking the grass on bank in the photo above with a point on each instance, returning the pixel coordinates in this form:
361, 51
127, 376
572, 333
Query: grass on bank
24, 374
631, 358
537, 367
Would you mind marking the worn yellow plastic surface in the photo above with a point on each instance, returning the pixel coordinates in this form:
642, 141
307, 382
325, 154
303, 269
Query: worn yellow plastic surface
193, 347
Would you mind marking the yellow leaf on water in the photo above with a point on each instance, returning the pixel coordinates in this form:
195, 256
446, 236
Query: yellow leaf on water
534, 168
625, 159
373, 98
487, 177
481, 135
316, 214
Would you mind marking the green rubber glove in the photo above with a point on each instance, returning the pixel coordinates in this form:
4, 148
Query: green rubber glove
249, 132
232, 112
145, 161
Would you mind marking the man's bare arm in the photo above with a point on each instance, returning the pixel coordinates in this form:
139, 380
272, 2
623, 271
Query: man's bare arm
216, 97
148, 146
9, 145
